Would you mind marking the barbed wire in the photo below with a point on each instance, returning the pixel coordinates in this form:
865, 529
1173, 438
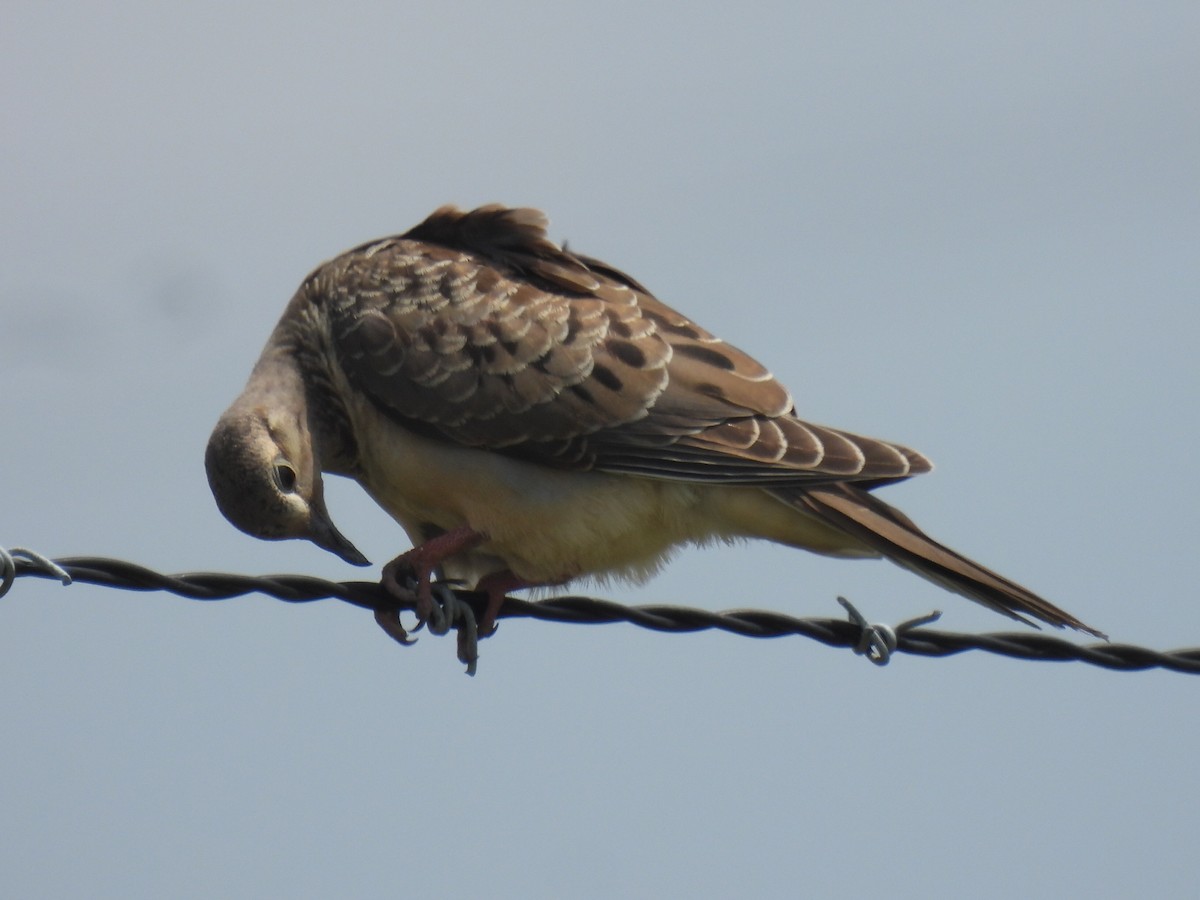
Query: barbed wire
459, 608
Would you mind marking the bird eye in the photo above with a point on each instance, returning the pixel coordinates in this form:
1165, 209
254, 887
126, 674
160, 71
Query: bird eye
285, 477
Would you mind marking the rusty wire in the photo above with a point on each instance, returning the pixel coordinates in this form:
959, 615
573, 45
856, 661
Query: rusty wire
877, 642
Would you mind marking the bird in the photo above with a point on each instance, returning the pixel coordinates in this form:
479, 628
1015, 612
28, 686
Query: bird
530, 416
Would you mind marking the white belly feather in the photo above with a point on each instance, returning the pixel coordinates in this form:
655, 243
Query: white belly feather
549, 526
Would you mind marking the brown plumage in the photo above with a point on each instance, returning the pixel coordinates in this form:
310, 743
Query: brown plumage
545, 417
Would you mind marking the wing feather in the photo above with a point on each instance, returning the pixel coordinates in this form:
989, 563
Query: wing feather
476, 327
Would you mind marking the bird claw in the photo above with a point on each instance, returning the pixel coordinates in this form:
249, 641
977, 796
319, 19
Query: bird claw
449, 611
438, 615
443, 612
389, 621
486, 630
402, 579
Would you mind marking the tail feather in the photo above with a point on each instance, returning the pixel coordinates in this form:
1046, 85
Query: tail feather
887, 530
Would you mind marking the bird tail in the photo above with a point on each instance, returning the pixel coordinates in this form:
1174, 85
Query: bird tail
887, 530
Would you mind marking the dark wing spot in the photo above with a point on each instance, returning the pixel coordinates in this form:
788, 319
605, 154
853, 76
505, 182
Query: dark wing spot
618, 327
708, 389
701, 353
487, 279
606, 377
683, 329
630, 354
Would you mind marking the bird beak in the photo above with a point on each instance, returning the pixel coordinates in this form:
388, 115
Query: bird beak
324, 534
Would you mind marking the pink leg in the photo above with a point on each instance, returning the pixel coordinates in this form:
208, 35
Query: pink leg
497, 585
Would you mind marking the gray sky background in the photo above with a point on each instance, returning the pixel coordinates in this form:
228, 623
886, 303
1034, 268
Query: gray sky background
971, 228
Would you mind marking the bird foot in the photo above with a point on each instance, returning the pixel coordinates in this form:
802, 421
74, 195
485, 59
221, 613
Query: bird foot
496, 586
412, 572
389, 620
422, 562
402, 580
446, 611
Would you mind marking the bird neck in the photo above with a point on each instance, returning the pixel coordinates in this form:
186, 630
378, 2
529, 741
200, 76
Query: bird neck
276, 383
294, 373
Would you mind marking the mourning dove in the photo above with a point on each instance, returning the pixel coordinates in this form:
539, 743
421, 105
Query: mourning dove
531, 416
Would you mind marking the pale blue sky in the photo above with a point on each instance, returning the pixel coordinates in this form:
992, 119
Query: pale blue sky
970, 228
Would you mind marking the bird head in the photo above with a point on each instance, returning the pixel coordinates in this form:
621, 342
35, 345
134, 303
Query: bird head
263, 474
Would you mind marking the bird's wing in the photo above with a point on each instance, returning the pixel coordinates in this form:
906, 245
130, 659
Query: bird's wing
476, 328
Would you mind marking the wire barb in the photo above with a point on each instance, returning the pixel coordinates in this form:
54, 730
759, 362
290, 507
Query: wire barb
878, 642
42, 564
908, 637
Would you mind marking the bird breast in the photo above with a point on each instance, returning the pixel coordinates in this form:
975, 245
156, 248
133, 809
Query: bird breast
545, 525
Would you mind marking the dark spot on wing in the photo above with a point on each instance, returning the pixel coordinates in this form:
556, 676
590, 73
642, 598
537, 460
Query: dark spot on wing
683, 329
618, 327
606, 377
708, 355
630, 354
708, 389
486, 280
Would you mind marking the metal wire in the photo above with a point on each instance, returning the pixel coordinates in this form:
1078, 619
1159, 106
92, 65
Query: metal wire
877, 642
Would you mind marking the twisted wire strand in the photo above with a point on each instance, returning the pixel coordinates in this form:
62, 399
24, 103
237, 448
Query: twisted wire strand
911, 637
